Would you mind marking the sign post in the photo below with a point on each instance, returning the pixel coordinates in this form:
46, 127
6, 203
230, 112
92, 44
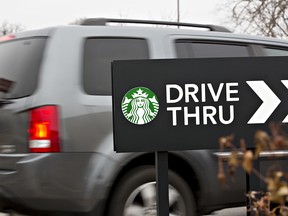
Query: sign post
162, 183
187, 104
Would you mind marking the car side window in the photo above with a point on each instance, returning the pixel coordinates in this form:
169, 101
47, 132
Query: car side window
98, 55
208, 49
272, 51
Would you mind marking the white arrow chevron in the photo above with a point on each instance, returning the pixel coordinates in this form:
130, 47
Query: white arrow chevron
285, 82
270, 102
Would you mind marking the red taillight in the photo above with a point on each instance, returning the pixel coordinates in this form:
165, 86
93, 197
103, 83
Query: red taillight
44, 129
7, 37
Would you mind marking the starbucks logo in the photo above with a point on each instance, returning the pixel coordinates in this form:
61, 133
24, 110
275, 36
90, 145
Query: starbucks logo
140, 105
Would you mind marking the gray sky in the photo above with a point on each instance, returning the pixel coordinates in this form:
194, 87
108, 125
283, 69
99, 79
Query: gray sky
39, 13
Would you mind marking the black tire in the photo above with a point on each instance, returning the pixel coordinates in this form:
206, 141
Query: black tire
140, 177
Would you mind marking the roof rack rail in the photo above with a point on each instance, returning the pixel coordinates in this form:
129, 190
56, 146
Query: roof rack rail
104, 21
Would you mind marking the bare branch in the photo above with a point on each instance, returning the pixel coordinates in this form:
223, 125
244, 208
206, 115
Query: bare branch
10, 28
260, 17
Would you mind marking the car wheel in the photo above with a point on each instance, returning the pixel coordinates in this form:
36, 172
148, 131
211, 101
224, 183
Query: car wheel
135, 195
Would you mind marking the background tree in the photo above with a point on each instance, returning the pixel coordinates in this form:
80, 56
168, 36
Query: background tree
10, 28
260, 17
77, 21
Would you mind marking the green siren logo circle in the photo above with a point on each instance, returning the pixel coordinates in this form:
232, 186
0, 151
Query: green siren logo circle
140, 105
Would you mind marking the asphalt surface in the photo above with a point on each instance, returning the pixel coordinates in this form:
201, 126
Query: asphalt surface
241, 211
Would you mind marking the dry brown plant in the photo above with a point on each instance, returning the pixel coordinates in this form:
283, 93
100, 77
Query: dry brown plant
273, 201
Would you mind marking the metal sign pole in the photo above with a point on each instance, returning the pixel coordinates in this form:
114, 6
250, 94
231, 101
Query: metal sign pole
162, 183
252, 183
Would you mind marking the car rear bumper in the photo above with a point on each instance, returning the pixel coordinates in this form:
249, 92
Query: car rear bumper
73, 182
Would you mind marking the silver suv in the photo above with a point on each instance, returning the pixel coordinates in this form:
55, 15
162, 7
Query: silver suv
56, 141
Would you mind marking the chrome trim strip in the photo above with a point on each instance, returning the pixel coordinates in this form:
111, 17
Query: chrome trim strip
274, 154
264, 154
14, 155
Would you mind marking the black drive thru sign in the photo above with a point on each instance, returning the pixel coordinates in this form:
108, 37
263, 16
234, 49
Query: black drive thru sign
187, 104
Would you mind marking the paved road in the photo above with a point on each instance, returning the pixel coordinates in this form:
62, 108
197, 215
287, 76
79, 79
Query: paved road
241, 211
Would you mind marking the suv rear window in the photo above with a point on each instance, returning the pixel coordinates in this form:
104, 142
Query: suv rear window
20, 62
98, 55
208, 49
